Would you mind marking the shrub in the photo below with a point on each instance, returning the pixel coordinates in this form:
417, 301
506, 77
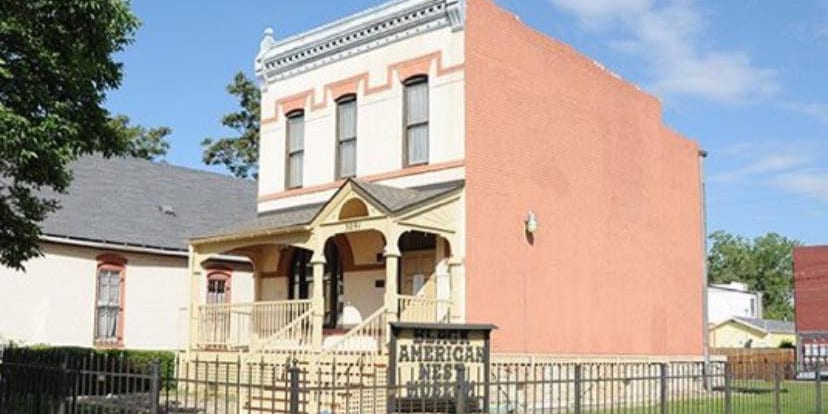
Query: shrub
787, 344
91, 359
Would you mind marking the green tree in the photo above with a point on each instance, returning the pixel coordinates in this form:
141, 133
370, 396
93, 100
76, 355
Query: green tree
150, 144
56, 66
240, 153
765, 264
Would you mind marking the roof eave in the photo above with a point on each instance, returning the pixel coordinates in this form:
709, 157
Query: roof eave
279, 231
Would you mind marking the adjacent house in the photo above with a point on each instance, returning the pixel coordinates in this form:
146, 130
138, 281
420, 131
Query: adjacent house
114, 270
811, 299
741, 332
439, 161
725, 301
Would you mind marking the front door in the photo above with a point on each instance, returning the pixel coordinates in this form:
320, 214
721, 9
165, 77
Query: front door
418, 274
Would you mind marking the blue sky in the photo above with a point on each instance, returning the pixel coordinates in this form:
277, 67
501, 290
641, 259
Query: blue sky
745, 78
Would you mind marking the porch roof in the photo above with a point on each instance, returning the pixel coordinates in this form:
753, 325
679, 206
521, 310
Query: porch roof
392, 199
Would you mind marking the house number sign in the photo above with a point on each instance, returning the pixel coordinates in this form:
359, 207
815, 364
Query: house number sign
429, 364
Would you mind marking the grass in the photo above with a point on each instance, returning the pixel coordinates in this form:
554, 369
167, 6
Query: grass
755, 397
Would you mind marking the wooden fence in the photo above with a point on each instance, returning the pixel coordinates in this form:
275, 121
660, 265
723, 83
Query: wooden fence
758, 363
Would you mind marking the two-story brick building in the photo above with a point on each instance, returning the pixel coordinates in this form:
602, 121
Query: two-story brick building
811, 300
440, 161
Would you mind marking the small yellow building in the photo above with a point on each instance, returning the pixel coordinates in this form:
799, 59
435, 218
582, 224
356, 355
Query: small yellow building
739, 332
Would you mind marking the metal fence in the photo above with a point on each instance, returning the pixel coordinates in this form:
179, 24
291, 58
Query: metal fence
109, 385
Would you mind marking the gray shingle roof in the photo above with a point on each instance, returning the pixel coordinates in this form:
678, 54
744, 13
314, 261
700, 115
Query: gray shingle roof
134, 202
396, 199
272, 220
391, 198
769, 324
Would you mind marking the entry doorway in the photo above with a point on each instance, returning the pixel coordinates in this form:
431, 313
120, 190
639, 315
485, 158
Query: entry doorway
419, 257
300, 281
418, 274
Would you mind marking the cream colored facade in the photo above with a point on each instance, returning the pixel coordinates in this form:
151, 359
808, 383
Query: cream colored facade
429, 287
403, 261
53, 301
733, 334
376, 77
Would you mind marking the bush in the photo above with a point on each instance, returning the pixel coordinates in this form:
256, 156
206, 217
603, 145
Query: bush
786, 344
91, 359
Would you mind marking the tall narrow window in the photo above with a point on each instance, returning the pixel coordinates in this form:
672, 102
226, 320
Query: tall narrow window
218, 287
295, 149
416, 121
346, 136
108, 306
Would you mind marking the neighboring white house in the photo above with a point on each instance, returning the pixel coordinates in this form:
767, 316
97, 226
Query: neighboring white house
115, 267
726, 301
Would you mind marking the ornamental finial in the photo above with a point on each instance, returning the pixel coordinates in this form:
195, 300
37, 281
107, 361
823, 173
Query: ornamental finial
267, 41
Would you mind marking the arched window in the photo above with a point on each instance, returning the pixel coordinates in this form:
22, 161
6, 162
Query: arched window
415, 118
295, 149
346, 136
109, 300
218, 286
353, 208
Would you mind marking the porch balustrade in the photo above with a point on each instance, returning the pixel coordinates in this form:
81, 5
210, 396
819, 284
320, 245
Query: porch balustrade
421, 309
245, 325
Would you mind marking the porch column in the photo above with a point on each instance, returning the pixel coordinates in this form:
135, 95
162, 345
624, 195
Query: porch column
457, 274
392, 265
318, 298
443, 282
196, 278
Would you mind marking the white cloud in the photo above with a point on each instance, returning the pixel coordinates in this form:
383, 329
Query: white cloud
813, 184
816, 110
668, 37
791, 166
601, 9
765, 164
820, 26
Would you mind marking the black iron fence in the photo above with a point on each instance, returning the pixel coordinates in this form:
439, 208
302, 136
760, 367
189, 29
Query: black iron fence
228, 385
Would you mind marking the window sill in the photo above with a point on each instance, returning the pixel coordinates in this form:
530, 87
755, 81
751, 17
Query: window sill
414, 165
103, 344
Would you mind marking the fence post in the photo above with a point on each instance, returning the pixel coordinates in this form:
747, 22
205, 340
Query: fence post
777, 390
61, 389
818, 383
663, 390
577, 388
460, 390
155, 386
293, 372
728, 388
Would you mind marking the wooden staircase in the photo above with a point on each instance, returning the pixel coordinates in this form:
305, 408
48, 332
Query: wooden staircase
349, 376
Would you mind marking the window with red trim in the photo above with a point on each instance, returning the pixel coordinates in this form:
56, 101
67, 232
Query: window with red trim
218, 286
109, 301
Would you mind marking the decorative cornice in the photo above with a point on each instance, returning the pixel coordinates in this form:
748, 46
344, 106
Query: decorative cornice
361, 32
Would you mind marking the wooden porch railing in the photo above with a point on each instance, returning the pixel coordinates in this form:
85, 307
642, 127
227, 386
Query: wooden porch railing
294, 338
424, 310
369, 337
237, 326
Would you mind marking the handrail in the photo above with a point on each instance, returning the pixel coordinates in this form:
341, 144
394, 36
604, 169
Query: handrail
239, 325
294, 337
373, 327
424, 309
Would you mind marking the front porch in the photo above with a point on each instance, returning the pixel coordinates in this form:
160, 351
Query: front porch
329, 286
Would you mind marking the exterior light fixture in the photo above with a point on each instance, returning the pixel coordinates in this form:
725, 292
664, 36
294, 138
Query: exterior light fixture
531, 223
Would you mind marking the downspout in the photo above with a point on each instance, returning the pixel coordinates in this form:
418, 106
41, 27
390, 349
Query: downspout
705, 277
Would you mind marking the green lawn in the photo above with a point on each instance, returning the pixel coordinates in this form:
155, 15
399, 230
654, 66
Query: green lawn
755, 398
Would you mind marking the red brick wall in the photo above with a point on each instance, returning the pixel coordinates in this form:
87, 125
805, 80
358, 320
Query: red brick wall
811, 288
616, 267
